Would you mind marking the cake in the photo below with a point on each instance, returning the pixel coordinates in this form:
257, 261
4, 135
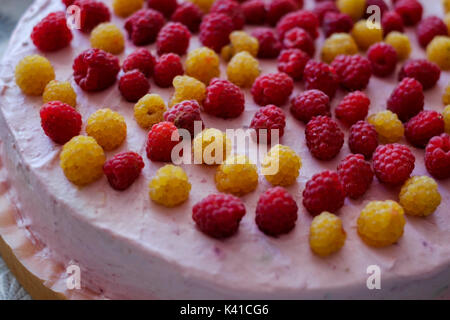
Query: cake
129, 247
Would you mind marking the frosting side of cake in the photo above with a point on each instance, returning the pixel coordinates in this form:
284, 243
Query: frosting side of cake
130, 247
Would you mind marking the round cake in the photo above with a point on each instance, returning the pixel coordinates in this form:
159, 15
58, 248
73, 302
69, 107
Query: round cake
129, 246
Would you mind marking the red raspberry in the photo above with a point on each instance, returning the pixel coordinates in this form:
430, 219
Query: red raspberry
302, 19
353, 72
421, 128
354, 107
299, 39
174, 37
92, 13
167, 67
123, 169
380, 3
356, 175
232, 9
293, 62
319, 75
188, 14
383, 58
324, 138
336, 22
276, 212
269, 118
437, 156
68, 2
52, 33
166, 7
133, 85
279, 8
219, 215
324, 192
159, 141
407, 99
429, 28
309, 104
410, 11
363, 139
269, 44
393, 163
254, 11
272, 88
224, 99
392, 21
60, 121
141, 60
215, 30
424, 71
184, 114
323, 7
95, 70
144, 25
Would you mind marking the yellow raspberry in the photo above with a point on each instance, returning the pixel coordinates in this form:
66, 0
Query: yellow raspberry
419, 196
211, 146
366, 34
243, 69
124, 8
187, 88
438, 51
446, 115
33, 73
149, 110
60, 91
203, 64
400, 42
446, 96
82, 160
326, 234
226, 52
242, 41
237, 175
389, 128
108, 37
204, 5
107, 127
170, 186
446, 5
281, 166
447, 21
338, 43
354, 8
381, 223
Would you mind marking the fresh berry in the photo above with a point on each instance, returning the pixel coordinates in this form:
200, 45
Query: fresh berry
437, 52
323, 192
133, 85
446, 96
60, 91
242, 41
353, 72
174, 37
429, 28
407, 99
363, 139
367, 33
381, 5
446, 115
265, 120
272, 88
420, 196
323, 7
108, 37
437, 156
336, 22
309, 104
108, 128
142, 60
92, 13
356, 175
321, 76
279, 8
188, 14
170, 186
184, 115
203, 64
269, 44
204, 5
243, 69
232, 9
254, 11
298, 38
337, 44
293, 62
304, 19
33, 73
392, 21
324, 138
149, 110
383, 59
424, 71
124, 8
95, 70
60, 121
123, 169
276, 212
424, 126
208, 140
236, 175
354, 8
143, 26
162, 138
187, 88
393, 163
354, 107
215, 30
389, 128
219, 215
167, 67
224, 99
326, 234
400, 42
381, 223
281, 166
410, 10
52, 33
166, 7
68, 2
82, 160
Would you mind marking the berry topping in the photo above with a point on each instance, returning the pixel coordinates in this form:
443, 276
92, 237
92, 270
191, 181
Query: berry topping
269, 44
393, 163
323, 8
421, 128
279, 8
123, 169
309, 104
187, 88
224, 99
144, 25
162, 138
367, 33
108, 128
324, 138
392, 21
232, 9
410, 10
383, 59
133, 85
304, 19
60, 121
354, 8
174, 37
215, 30
52, 33
265, 120
188, 14
400, 42
184, 115
124, 8
336, 22
354, 107
33, 73
166, 7
293, 62
298, 38
321, 76
281, 166
407, 99
167, 67
236, 175
142, 60
243, 69
356, 175
363, 139
420, 196
92, 13
424, 71
437, 156
337, 44
203, 64
326, 234
149, 110
353, 72
108, 37
429, 28
272, 88
437, 52
60, 91
254, 11
211, 146
170, 186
